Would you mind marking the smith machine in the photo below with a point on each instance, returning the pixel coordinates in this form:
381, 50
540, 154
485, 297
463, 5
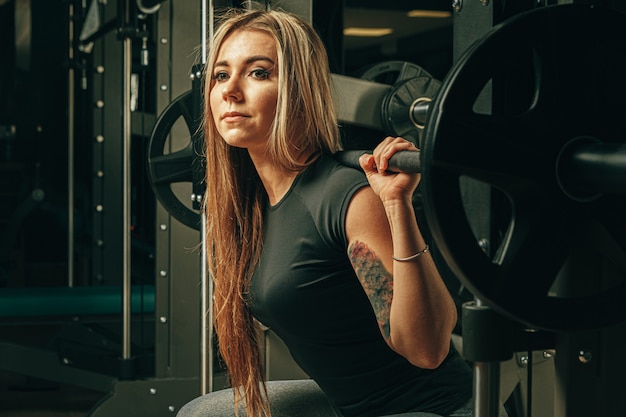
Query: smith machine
518, 131
523, 160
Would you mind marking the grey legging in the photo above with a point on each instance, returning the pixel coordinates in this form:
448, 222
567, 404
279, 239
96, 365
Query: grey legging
301, 398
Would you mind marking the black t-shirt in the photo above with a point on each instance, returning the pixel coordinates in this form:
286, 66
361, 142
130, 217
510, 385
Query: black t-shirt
306, 291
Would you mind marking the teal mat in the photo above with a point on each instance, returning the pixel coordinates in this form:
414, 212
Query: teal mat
64, 301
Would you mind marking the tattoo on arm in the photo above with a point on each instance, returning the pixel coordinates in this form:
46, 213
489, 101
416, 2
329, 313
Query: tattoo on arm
376, 280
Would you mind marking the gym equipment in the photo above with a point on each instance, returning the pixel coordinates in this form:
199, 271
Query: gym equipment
403, 108
559, 161
574, 169
157, 374
398, 110
536, 157
176, 167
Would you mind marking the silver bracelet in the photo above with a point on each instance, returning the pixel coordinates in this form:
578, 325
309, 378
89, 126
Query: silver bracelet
410, 258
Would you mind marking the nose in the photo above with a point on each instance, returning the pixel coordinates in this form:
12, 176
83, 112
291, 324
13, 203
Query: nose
231, 90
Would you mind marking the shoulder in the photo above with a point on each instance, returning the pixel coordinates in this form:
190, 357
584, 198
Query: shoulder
327, 179
365, 216
326, 189
326, 165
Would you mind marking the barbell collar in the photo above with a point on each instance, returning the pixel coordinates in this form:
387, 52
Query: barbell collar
419, 111
593, 168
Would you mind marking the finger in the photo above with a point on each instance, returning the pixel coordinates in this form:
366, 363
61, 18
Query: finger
383, 152
367, 163
388, 148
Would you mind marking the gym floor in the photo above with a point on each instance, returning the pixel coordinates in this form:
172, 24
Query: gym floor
21, 396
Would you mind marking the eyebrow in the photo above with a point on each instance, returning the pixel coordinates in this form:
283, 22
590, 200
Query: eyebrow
250, 60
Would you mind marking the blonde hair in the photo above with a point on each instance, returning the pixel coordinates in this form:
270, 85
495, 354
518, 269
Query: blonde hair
305, 121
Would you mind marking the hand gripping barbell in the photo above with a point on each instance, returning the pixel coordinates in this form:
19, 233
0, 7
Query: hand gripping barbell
557, 160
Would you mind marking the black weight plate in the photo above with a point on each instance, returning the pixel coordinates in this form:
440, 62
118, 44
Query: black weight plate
165, 169
547, 264
397, 106
392, 72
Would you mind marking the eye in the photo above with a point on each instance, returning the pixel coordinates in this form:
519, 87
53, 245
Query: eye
260, 74
220, 76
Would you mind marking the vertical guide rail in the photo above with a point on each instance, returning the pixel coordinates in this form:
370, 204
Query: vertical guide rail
206, 314
486, 389
126, 189
486, 385
70, 150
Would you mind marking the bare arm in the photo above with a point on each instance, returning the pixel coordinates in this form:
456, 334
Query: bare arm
413, 307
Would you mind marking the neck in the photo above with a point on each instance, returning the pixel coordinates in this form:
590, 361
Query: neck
276, 179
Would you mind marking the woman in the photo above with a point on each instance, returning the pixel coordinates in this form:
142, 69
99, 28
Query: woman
331, 258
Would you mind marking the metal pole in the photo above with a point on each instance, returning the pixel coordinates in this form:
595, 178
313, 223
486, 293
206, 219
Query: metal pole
486, 389
206, 321
70, 153
126, 172
486, 386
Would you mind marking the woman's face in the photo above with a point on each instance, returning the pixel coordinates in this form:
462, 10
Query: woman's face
245, 89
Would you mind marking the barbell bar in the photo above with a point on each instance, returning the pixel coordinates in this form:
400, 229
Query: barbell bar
584, 171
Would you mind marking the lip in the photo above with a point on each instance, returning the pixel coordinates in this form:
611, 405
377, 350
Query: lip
233, 116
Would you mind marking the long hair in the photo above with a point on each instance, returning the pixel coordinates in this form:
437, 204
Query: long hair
305, 120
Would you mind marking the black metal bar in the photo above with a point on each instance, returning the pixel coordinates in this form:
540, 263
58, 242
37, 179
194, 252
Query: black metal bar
588, 167
403, 161
596, 167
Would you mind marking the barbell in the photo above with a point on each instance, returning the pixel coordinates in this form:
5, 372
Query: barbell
555, 162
